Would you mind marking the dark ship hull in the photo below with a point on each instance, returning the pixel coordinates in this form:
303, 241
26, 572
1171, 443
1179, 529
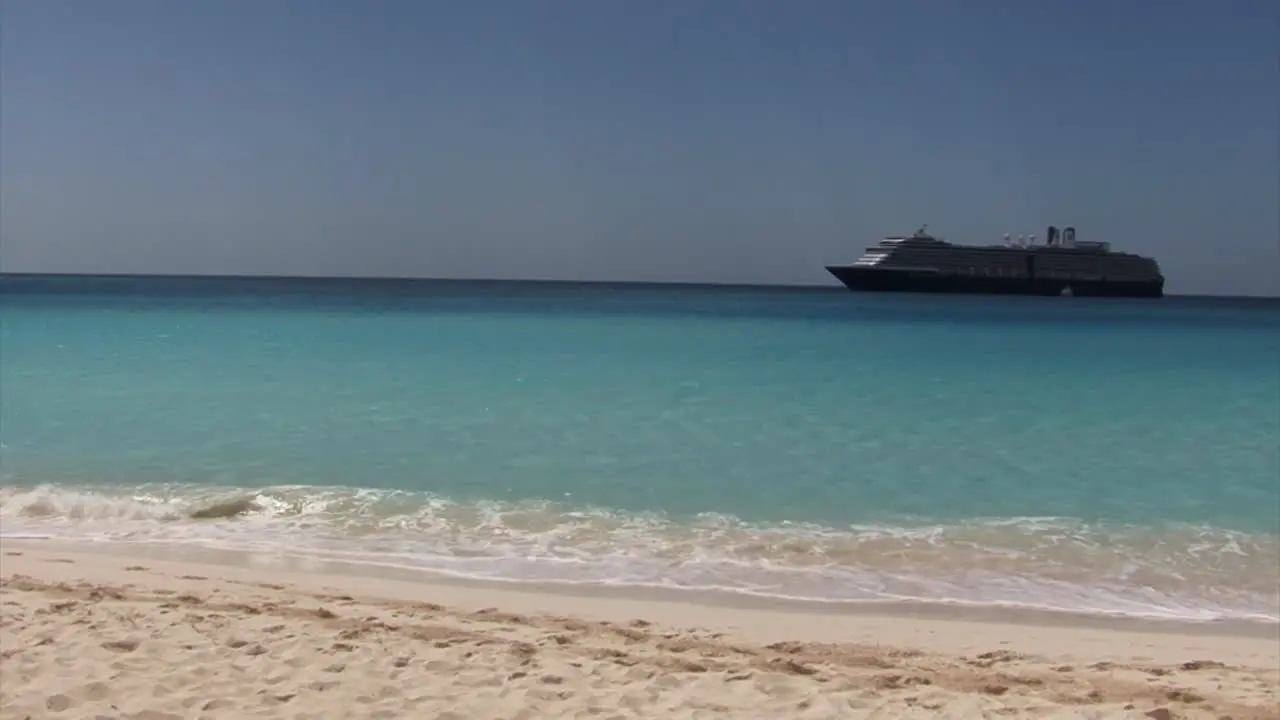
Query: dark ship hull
866, 279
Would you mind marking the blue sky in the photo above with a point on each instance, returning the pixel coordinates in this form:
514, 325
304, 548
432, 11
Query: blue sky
700, 140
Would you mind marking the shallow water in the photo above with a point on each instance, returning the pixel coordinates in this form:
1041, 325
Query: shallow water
1085, 455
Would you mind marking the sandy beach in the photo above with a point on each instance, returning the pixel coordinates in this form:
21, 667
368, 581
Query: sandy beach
105, 635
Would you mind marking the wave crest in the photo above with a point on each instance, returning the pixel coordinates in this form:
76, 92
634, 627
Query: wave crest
1050, 563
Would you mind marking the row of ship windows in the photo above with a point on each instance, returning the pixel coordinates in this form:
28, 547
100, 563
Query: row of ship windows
1018, 265
1018, 272
1017, 268
928, 254
1111, 274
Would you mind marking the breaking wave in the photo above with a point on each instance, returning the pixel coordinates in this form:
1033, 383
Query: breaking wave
1177, 572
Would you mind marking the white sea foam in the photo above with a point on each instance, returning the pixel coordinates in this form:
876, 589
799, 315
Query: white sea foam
1047, 563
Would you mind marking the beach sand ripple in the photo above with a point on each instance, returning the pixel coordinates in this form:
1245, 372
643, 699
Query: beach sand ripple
157, 645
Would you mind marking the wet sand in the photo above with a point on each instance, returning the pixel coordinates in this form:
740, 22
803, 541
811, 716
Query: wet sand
152, 635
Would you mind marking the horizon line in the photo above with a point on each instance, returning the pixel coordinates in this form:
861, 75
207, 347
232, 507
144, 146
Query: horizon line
638, 284
422, 279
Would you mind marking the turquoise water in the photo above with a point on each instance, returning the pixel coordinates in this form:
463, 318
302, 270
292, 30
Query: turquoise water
1087, 455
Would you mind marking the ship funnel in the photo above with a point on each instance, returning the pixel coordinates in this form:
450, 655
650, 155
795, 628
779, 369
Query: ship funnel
1051, 237
1069, 236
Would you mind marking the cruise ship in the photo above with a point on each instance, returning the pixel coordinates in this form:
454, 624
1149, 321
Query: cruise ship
1060, 266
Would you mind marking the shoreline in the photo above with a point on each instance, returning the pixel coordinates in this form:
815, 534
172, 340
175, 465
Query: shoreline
870, 570
710, 609
116, 632
700, 598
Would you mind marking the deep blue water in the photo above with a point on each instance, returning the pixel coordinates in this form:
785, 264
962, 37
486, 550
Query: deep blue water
1067, 452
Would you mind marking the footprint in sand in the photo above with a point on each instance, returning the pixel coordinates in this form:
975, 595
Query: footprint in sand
94, 692
59, 702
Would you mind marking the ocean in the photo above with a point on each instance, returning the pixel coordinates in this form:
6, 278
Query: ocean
1082, 455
